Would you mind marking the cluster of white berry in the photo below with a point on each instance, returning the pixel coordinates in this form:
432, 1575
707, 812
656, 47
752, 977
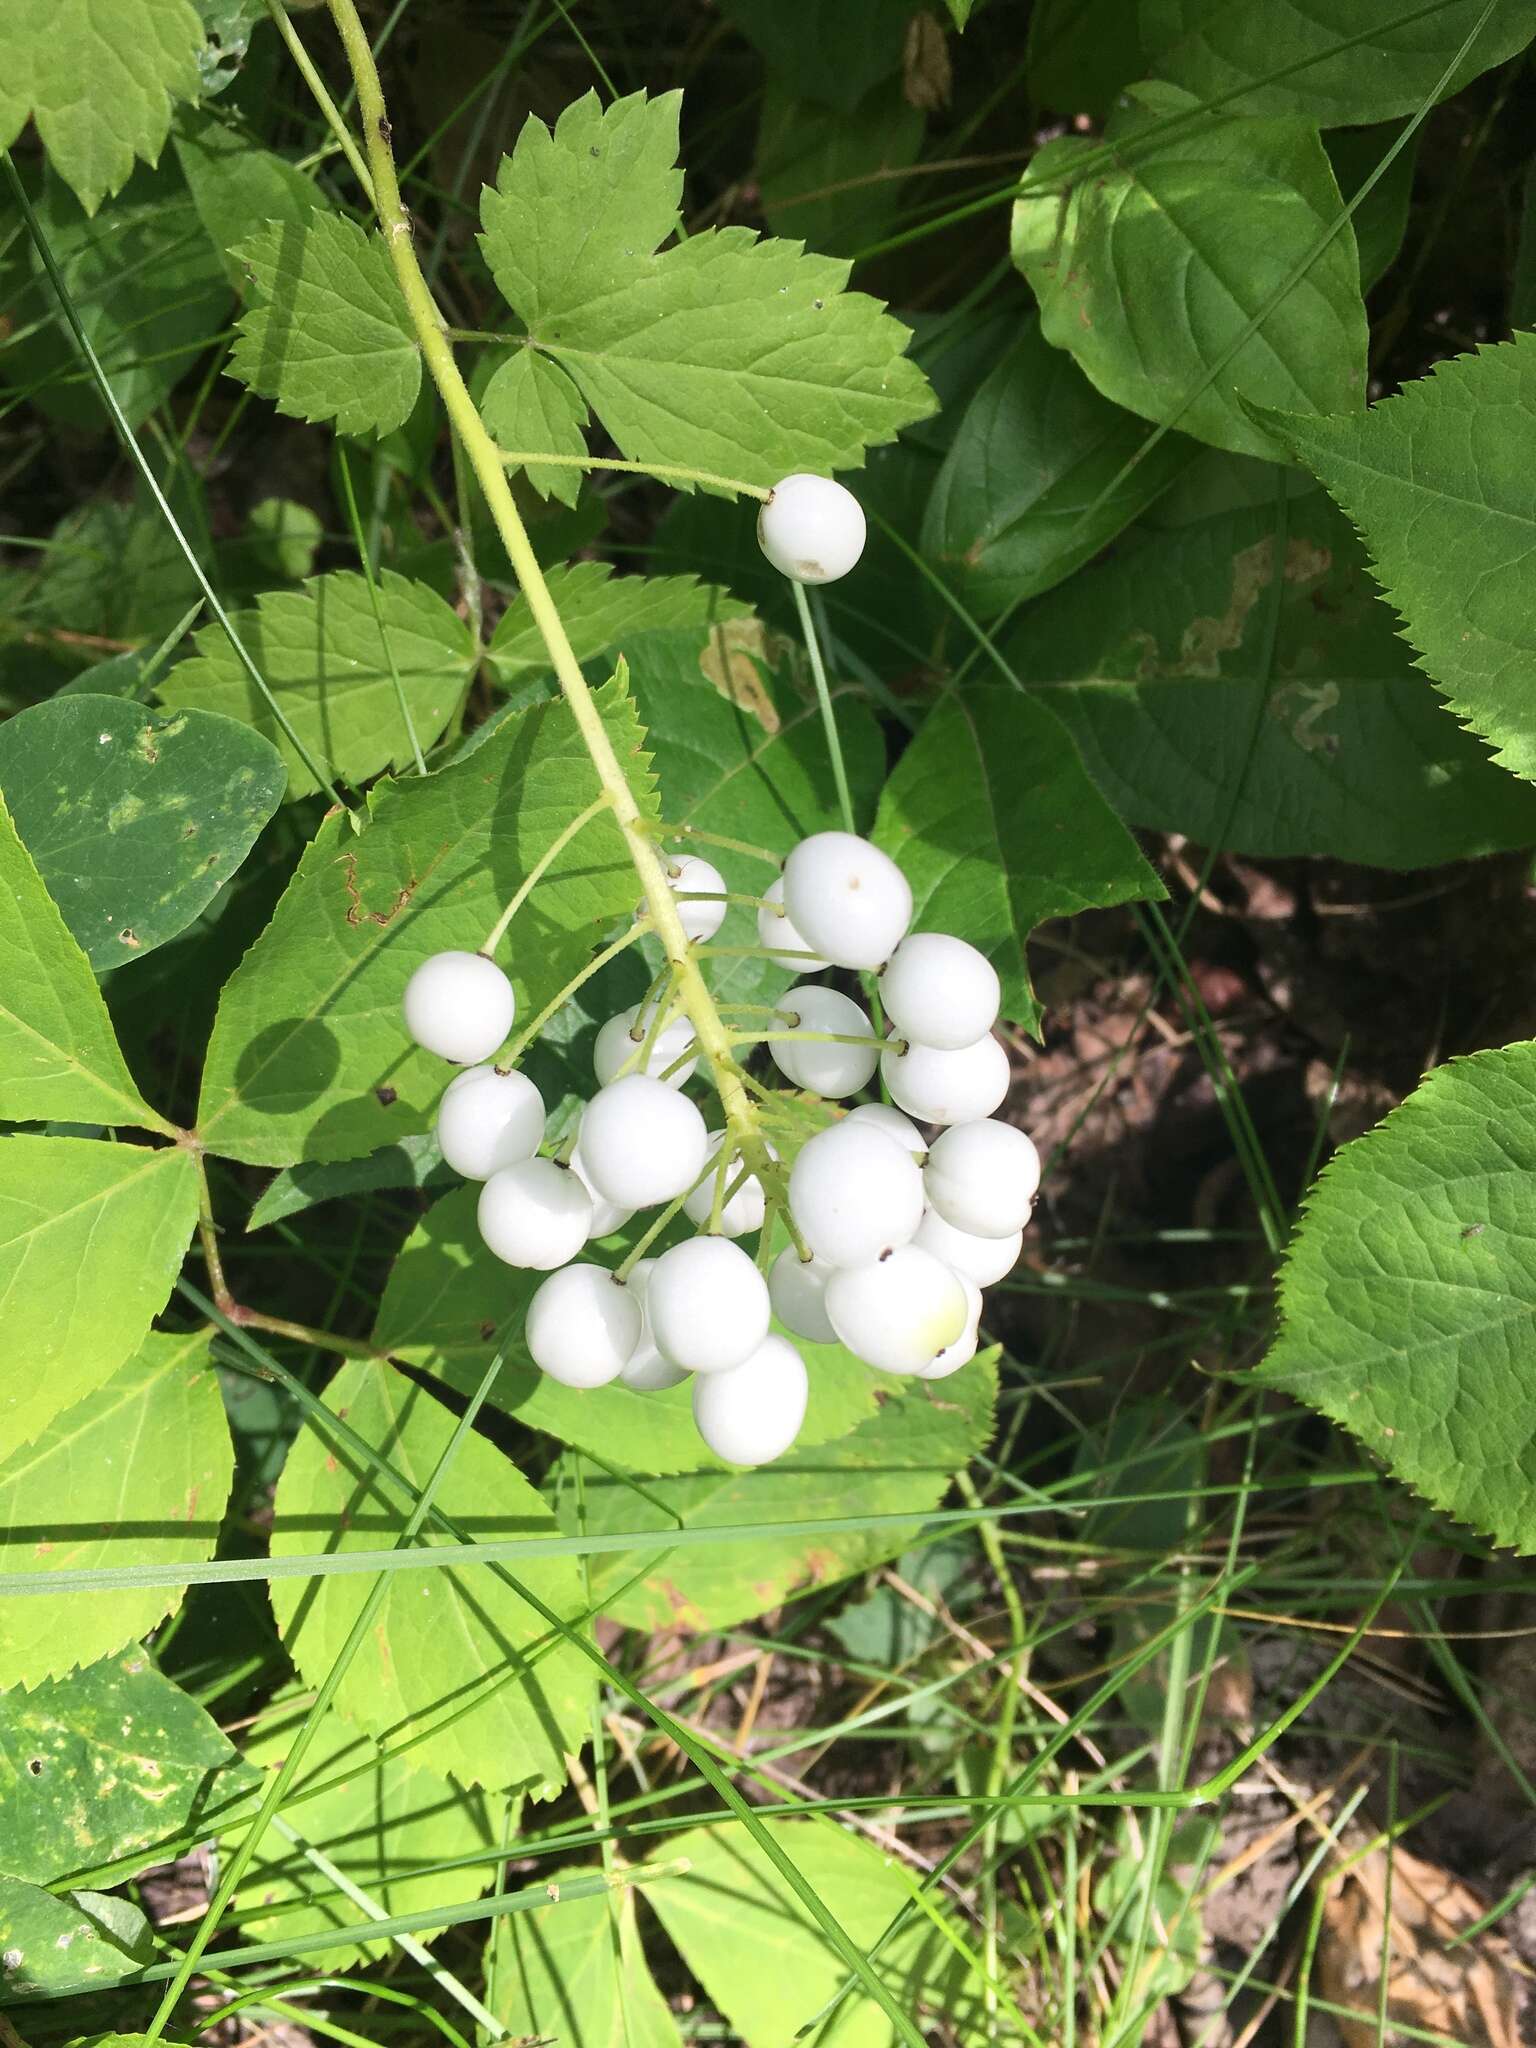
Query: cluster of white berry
892, 1235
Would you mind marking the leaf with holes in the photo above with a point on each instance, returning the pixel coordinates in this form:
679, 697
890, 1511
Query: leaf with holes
135, 820
1407, 1296
1233, 210
457, 1659
309, 1057
1436, 482
745, 357
337, 671
326, 334
104, 1766
994, 822
58, 1056
136, 1473
91, 1238
574, 1971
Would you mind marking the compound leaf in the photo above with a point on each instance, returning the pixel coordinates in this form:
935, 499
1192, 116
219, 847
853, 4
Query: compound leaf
91, 1238
1436, 480
993, 819
601, 611
458, 1654
1407, 1296
98, 81
326, 334
327, 660
1231, 209
136, 1473
135, 820
309, 1057
59, 1058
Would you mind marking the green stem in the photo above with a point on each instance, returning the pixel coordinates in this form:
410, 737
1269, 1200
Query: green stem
486, 461
824, 699
541, 868
321, 97
744, 846
668, 472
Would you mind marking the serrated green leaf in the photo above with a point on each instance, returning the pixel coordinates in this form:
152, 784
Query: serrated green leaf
98, 82
832, 54
385, 1822
602, 611
995, 823
457, 1652
1407, 1295
135, 820
117, 570
326, 335
1436, 483
59, 1057
529, 404
574, 1971
1203, 705
309, 1057
326, 659
1020, 501
106, 1764
135, 1473
1230, 208
414, 1162
232, 183
49, 1946
727, 353
901, 1460
448, 1302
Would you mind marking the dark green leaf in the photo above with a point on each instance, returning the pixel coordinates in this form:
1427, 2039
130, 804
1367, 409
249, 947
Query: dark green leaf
1381, 219
829, 175
832, 54
413, 1162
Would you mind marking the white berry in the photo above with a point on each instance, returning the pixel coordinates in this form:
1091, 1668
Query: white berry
946, 1087
754, 1412
646, 1371
487, 1120
622, 1042
811, 529
854, 1193
963, 1350
899, 1313
704, 885
982, 1259
778, 935
707, 1305
814, 1060
940, 991
743, 1210
460, 1006
607, 1217
797, 1288
535, 1214
583, 1326
983, 1177
892, 1122
641, 1142
848, 900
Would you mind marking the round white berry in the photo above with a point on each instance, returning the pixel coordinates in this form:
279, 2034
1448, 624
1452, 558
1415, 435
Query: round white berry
776, 933
583, 1326
703, 885
607, 1217
811, 529
982, 1259
743, 1209
848, 900
854, 1193
487, 1120
983, 1177
797, 1288
753, 1413
621, 1047
460, 1006
883, 1118
646, 1371
898, 1313
707, 1305
641, 1142
535, 1214
940, 991
964, 1348
946, 1087
808, 1056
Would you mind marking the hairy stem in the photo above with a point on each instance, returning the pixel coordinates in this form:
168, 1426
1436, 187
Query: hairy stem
486, 461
